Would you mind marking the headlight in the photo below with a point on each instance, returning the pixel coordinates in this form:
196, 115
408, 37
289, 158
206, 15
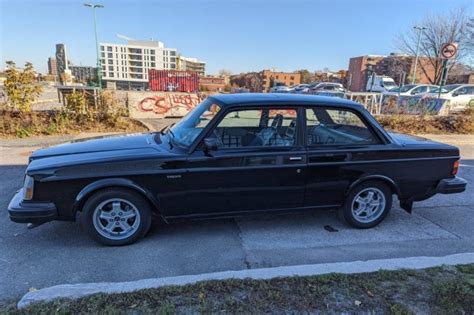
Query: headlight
28, 188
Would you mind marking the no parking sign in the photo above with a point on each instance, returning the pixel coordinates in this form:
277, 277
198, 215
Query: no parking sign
449, 50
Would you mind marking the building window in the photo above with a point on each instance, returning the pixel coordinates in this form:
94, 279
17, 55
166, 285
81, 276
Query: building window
111, 68
173, 66
110, 55
172, 53
152, 64
292, 78
111, 62
102, 48
111, 74
102, 54
164, 59
109, 48
173, 59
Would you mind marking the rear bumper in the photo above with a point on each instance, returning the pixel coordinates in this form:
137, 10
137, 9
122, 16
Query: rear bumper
21, 211
451, 185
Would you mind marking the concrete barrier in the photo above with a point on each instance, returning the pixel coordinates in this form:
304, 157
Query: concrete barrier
162, 104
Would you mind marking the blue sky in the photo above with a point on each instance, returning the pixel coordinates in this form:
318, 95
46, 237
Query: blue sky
236, 35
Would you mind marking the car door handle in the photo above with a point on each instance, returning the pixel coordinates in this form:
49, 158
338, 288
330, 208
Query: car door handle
295, 158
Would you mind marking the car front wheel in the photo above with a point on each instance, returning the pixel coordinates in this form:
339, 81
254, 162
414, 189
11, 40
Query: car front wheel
367, 204
116, 217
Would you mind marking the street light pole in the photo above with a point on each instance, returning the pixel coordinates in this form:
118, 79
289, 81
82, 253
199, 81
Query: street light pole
420, 29
99, 65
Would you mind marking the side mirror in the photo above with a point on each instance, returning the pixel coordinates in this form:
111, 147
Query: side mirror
211, 144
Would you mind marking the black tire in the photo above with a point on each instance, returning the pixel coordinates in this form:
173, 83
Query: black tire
140, 223
377, 187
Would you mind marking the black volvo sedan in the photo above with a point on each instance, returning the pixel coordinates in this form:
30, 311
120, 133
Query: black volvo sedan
235, 155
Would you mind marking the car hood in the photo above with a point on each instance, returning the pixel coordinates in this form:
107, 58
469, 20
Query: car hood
110, 149
97, 144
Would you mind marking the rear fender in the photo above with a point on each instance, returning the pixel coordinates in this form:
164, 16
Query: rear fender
387, 180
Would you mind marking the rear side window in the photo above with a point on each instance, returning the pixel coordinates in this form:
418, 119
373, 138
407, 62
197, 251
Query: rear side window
331, 127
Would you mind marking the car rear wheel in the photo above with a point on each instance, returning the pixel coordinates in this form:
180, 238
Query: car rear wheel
367, 204
116, 217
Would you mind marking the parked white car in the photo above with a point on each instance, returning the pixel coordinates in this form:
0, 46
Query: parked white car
380, 84
459, 95
327, 87
280, 89
412, 89
301, 88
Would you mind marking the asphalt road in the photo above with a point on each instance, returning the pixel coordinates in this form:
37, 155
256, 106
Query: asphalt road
59, 252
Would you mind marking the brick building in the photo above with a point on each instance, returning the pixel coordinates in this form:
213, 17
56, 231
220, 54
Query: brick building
212, 84
392, 66
52, 66
269, 78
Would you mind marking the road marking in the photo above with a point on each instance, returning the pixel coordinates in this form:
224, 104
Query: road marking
74, 291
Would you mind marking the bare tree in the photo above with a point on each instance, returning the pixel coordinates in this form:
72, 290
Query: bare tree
224, 73
440, 29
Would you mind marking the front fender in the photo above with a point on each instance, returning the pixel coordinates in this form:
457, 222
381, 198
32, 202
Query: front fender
112, 182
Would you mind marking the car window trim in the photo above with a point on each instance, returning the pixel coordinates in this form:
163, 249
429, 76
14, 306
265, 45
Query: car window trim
228, 109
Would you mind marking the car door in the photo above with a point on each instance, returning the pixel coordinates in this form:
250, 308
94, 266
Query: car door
259, 164
335, 137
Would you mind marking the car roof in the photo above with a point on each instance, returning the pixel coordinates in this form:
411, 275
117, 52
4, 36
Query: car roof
242, 99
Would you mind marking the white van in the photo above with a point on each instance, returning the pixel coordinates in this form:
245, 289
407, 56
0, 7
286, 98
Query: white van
380, 84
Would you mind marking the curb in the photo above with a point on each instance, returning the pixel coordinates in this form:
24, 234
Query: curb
74, 291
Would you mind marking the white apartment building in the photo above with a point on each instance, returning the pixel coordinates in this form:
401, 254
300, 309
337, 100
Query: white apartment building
191, 64
126, 66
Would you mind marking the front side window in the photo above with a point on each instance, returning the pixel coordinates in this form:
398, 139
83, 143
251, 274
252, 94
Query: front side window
261, 127
187, 129
328, 126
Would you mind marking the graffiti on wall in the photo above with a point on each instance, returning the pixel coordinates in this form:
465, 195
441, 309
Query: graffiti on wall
414, 105
161, 105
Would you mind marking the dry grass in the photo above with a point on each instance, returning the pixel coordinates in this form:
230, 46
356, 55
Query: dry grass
16, 124
439, 290
462, 123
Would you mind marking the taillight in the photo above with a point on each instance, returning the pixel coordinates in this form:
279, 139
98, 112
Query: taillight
455, 167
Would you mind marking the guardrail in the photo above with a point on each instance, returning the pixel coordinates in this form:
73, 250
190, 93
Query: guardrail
371, 101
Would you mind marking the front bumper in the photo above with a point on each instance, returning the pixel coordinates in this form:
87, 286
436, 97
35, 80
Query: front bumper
451, 185
21, 211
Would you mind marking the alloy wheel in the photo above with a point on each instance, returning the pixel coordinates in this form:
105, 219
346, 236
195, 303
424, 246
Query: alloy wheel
116, 219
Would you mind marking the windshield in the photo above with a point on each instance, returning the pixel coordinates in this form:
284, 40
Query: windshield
446, 89
187, 129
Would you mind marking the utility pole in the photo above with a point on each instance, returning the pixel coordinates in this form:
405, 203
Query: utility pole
99, 65
420, 30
